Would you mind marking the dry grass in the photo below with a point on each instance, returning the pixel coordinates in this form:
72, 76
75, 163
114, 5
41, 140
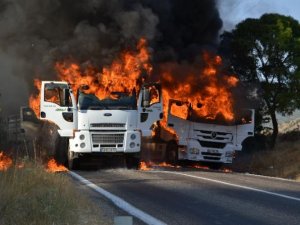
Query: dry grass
283, 161
32, 196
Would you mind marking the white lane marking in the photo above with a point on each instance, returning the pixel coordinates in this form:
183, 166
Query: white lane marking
122, 204
229, 184
271, 178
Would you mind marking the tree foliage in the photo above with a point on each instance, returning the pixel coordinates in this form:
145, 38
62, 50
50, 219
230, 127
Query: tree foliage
266, 51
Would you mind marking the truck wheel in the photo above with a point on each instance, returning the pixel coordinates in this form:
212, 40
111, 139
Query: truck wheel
215, 166
172, 152
61, 151
73, 161
132, 161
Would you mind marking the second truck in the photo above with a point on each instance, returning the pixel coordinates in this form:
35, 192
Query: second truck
188, 137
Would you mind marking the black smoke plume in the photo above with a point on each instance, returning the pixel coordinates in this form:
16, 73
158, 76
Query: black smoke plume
34, 34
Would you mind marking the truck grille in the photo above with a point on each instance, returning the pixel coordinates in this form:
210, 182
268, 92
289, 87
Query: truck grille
107, 138
208, 144
211, 156
205, 135
107, 125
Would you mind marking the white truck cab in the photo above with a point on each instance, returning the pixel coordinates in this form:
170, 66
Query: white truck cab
112, 125
208, 141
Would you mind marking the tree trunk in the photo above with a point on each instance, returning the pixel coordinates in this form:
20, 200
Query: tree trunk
275, 128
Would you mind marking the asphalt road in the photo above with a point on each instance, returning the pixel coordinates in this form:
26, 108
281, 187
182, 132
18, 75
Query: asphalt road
203, 197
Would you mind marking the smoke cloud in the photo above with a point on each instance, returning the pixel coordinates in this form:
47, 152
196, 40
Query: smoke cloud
35, 34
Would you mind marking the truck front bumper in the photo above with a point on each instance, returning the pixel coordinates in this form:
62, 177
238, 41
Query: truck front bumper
196, 152
106, 142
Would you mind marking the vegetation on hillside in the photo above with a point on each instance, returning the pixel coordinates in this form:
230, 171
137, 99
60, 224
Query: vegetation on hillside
265, 54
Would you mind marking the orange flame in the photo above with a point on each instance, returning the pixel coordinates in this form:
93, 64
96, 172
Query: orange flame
209, 101
125, 74
34, 100
226, 170
53, 166
164, 164
145, 166
202, 167
197, 166
5, 162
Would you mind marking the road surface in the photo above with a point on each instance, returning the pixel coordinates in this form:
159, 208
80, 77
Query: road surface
181, 196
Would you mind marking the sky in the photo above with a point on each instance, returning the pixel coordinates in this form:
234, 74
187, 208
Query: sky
234, 11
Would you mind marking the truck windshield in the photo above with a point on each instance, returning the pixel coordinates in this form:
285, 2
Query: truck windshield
120, 100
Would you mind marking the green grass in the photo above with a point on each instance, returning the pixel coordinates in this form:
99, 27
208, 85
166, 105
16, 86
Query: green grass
32, 196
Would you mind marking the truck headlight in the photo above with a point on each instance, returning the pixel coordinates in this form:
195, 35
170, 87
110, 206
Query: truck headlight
82, 145
132, 144
133, 136
81, 137
194, 150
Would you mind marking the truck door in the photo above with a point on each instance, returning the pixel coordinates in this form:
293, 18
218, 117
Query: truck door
58, 106
245, 125
149, 107
177, 119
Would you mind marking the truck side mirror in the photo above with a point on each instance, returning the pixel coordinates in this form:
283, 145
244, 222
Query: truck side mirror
146, 98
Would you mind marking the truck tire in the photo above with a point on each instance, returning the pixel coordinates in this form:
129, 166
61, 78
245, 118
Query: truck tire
215, 166
172, 152
61, 151
73, 161
132, 161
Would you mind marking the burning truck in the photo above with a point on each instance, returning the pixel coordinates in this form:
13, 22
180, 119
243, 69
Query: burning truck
104, 113
196, 139
201, 123
105, 126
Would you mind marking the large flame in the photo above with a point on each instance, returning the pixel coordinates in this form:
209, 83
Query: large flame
205, 92
34, 100
53, 167
125, 74
5, 162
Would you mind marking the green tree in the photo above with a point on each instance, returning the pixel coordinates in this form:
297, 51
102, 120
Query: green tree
266, 51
